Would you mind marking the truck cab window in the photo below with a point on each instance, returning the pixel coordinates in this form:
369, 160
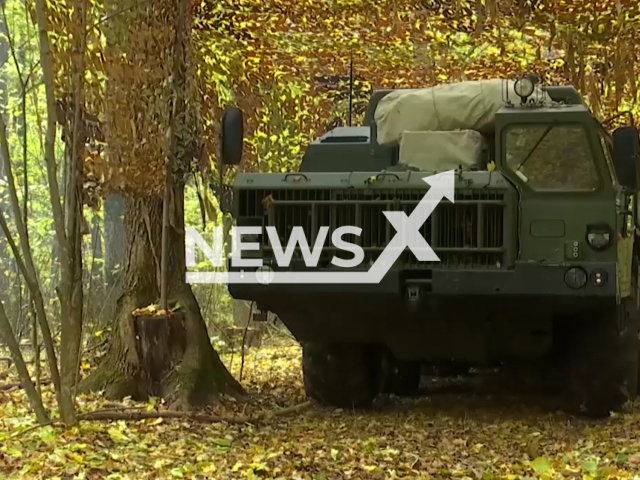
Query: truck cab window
551, 157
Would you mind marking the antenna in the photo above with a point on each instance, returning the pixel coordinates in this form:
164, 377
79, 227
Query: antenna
351, 88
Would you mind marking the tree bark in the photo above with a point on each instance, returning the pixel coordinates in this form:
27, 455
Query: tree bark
96, 294
6, 334
114, 241
68, 291
198, 376
168, 356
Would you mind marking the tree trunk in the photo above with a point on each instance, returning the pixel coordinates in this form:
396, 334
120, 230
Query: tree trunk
113, 250
114, 237
168, 355
148, 356
6, 334
96, 293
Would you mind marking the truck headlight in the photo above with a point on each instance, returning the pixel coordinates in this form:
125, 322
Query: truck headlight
599, 236
265, 275
524, 87
576, 278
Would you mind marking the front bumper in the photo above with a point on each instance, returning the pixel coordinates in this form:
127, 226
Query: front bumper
527, 279
466, 315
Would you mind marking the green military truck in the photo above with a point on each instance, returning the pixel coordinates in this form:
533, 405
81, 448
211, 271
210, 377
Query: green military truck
537, 258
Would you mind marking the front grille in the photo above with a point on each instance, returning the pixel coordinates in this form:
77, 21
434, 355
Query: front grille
469, 233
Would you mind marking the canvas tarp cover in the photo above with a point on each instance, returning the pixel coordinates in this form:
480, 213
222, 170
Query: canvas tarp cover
457, 106
441, 151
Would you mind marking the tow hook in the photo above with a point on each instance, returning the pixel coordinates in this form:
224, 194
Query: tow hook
415, 282
413, 293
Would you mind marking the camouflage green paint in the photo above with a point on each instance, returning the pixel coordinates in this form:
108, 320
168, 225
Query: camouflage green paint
470, 313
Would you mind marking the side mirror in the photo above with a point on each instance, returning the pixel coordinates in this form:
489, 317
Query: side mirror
232, 136
626, 151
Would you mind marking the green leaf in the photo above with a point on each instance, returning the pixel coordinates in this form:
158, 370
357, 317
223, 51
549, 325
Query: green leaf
590, 466
177, 472
541, 465
13, 452
117, 435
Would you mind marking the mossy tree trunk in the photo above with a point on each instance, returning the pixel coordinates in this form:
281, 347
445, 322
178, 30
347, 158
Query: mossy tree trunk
150, 98
189, 371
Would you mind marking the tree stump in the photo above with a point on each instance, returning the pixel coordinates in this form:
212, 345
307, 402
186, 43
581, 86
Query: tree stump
160, 345
152, 352
163, 354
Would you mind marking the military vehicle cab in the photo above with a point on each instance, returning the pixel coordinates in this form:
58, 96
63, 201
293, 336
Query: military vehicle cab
537, 260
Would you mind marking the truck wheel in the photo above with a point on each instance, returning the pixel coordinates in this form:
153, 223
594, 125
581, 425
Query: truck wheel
340, 374
403, 378
604, 362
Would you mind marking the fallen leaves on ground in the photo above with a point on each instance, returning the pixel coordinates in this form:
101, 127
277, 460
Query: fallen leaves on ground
466, 438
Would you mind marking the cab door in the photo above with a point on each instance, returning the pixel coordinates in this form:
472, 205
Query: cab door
565, 189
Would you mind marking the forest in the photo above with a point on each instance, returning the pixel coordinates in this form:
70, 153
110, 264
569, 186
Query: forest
109, 145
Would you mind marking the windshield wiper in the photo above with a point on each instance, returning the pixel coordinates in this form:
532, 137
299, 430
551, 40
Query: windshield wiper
546, 132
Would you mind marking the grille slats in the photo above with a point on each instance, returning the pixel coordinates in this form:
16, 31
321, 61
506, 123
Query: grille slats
466, 234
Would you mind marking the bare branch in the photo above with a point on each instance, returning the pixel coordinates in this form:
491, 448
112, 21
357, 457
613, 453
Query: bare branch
9, 338
26, 264
244, 338
14, 386
74, 320
137, 415
50, 137
23, 87
176, 110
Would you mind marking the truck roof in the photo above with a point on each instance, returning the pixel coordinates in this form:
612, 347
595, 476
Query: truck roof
566, 94
518, 109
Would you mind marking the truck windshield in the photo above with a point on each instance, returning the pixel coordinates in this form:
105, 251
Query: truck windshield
551, 157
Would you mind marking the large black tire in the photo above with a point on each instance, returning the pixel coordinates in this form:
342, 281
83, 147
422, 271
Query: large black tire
603, 362
340, 375
403, 378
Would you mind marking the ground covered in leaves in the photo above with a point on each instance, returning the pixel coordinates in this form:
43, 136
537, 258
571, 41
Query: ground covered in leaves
441, 436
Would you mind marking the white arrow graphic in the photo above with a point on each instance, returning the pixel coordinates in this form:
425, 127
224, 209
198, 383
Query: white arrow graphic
408, 228
407, 235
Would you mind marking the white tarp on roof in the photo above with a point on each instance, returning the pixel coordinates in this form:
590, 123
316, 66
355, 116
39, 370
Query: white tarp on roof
441, 151
457, 106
